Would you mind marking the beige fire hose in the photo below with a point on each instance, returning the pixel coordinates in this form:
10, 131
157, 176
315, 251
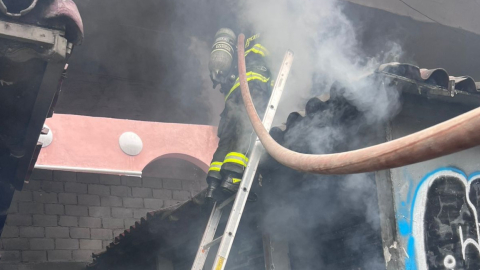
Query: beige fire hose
456, 134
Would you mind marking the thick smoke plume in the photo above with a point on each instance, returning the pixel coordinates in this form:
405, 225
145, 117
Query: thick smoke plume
327, 54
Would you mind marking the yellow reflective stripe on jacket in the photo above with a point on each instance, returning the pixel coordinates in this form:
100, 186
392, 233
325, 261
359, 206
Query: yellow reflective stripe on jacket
231, 160
235, 157
258, 49
215, 166
250, 76
235, 154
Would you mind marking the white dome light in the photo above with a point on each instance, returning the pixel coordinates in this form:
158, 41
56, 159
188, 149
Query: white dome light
130, 143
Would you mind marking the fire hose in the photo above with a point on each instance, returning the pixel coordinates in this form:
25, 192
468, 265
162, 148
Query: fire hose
454, 135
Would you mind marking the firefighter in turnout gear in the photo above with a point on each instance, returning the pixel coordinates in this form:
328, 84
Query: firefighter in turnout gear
235, 131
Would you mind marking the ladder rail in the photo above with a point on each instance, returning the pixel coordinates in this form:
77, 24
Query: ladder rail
209, 233
249, 174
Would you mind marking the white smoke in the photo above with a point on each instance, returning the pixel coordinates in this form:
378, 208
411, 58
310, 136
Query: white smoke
325, 45
327, 52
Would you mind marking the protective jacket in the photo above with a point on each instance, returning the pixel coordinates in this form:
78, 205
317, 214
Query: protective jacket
235, 131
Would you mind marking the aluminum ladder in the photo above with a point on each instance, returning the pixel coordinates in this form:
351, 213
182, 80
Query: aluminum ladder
226, 240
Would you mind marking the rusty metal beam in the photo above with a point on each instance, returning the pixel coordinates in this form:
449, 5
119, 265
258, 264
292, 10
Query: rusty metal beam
27, 33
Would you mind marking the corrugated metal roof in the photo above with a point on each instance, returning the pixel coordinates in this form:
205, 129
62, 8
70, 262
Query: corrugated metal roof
153, 232
174, 233
409, 79
435, 77
433, 83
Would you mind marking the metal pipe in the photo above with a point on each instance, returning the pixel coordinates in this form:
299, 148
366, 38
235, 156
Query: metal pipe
456, 134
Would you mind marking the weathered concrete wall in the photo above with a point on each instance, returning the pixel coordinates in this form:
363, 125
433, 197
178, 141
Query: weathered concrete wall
65, 216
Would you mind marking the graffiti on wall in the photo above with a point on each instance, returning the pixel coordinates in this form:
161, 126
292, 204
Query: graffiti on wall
439, 220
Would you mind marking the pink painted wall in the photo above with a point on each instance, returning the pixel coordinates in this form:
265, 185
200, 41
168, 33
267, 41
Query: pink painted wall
92, 142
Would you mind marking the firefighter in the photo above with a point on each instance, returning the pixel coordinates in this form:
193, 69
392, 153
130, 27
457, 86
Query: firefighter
235, 131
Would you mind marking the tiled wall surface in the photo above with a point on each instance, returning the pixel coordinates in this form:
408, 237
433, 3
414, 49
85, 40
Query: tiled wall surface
65, 216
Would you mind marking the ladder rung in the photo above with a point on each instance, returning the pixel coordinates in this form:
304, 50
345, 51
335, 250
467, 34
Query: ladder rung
226, 202
214, 242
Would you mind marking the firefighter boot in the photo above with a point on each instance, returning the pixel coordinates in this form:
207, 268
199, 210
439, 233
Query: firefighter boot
231, 177
231, 182
232, 174
213, 183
